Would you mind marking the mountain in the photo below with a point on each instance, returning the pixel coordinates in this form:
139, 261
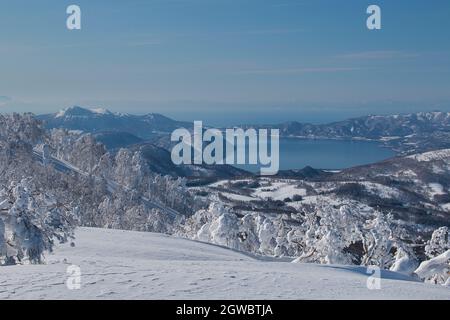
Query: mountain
138, 133
116, 139
391, 214
329, 218
145, 126
404, 133
415, 189
101, 120
372, 126
159, 160
305, 173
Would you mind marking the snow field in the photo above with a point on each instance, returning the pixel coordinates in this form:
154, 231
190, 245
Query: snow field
132, 265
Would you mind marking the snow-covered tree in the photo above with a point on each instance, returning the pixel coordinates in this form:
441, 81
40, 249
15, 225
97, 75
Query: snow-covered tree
20, 129
130, 170
329, 231
439, 242
219, 227
174, 194
437, 268
405, 261
379, 240
30, 222
102, 189
81, 150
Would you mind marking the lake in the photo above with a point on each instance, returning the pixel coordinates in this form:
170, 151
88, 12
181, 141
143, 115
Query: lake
326, 154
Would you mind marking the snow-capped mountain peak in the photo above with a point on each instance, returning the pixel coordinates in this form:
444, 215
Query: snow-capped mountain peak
96, 120
77, 111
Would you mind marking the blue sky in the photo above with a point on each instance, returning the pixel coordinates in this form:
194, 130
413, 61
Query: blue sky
226, 60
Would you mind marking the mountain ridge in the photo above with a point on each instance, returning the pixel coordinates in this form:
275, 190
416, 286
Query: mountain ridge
102, 120
404, 133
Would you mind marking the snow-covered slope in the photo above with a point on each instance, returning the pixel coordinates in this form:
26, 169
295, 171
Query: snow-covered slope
132, 265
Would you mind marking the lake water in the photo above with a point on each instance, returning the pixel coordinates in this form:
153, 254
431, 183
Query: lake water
326, 154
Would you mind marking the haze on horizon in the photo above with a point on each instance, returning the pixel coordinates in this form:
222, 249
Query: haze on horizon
258, 61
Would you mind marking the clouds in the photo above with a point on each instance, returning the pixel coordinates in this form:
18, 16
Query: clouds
296, 71
379, 55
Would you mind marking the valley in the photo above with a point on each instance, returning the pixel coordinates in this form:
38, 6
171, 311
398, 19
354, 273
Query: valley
393, 214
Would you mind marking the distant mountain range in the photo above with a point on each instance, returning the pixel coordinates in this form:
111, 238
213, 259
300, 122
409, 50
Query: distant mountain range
148, 134
372, 127
101, 120
404, 133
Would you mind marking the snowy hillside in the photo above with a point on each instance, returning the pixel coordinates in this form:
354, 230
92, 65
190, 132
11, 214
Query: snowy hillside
392, 214
133, 265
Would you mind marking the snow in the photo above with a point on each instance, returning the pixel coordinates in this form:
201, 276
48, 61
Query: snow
100, 111
76, 132
437, 169
222, 183
237, 197
390, 138
60, 114
279, 191
132, 265
443, 154
403, 263
381, 190
436, 265
406, 173
436, 189
64, 112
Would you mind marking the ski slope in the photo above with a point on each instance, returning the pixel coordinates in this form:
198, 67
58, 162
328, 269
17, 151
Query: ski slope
132, 265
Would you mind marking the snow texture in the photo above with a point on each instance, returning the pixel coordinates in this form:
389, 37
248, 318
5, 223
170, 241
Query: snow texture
133, 265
